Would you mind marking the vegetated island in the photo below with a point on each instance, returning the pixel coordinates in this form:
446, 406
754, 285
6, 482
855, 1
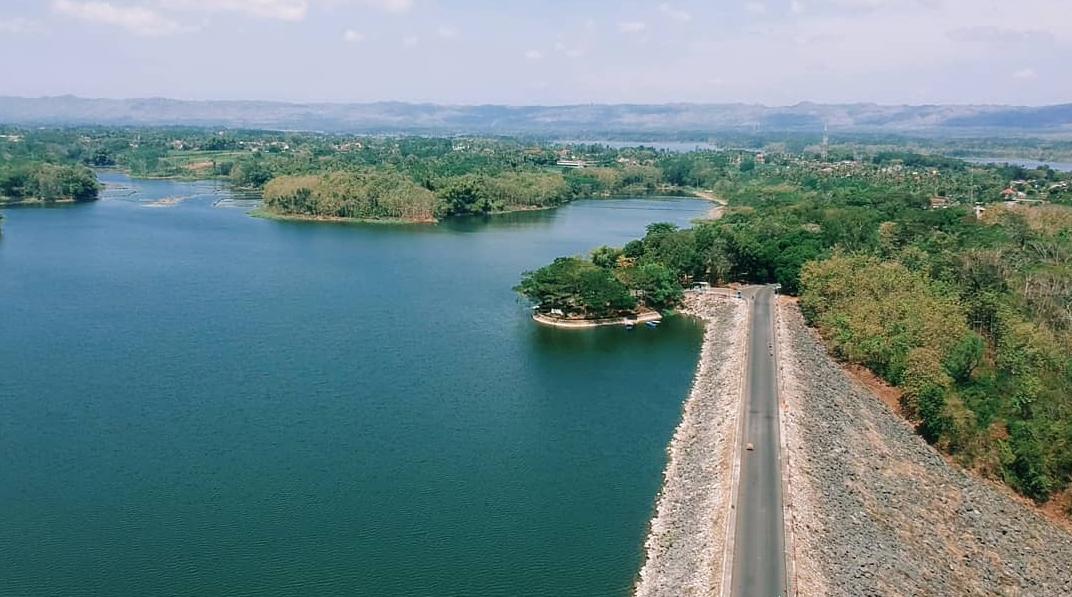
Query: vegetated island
38, 183
612, 286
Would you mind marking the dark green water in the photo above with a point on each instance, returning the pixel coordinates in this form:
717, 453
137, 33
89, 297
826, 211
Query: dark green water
196, 402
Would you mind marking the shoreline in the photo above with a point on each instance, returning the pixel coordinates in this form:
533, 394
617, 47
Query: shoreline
720, 207
685, 546
262, 213
43, 202
575, 324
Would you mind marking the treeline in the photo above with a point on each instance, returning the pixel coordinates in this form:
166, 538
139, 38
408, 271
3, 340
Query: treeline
388, 194
361, 194
487, 193
43, 182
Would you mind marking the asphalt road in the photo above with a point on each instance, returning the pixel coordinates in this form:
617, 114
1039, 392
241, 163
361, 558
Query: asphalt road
759, 545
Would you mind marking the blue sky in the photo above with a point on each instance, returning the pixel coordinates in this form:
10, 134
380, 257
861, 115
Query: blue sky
542, 52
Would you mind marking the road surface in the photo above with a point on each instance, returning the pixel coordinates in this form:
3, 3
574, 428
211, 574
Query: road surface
759, 544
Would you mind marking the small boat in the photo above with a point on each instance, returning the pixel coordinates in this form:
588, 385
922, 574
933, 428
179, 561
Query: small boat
652, 324
629, 326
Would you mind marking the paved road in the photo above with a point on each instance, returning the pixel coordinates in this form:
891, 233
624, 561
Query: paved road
759, 545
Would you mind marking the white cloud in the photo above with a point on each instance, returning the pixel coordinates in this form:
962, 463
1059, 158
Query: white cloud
283, 10
353, 37
1025, 74
796, 7
533, 55
632, 26
411, 41
674, 13
136, 19
17, 25
447, 32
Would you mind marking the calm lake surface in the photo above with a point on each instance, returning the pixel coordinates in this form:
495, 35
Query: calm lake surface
1061, 166
195, 402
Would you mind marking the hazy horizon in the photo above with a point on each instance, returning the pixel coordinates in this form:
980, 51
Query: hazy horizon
803, 102
478, 52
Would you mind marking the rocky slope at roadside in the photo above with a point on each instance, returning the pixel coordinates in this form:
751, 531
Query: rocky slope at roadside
685, 545
876, 511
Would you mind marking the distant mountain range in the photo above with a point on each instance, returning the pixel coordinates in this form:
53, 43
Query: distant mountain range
574, 120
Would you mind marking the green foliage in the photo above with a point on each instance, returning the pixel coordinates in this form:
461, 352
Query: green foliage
46, 182
482, 194
914, 326
964, 357
577, 288
358, 194
1029, 469
606, 257
654, 284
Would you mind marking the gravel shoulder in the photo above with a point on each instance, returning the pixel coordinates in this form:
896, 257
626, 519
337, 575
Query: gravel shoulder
686, 542
877, 511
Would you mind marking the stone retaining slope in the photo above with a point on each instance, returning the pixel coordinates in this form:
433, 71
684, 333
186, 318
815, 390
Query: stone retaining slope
686, 541
876, 511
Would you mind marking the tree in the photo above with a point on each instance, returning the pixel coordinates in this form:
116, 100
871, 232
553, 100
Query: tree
606, 257
464, 195
1028, 469
964, 357
655, 285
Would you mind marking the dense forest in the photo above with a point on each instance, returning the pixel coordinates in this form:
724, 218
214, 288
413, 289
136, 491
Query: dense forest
968, 312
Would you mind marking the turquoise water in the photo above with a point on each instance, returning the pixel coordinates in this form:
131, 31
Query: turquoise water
193, 402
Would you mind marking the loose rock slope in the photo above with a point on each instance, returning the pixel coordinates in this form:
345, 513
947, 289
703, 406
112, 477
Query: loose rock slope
686, 542
876, 511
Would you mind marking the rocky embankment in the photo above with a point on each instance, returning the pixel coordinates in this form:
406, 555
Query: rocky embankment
876, 511
686, 542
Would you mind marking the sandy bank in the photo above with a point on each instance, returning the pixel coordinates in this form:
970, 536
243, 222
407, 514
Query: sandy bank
271, 215
877, 511
685, 545
575, 324
35, 202
717, 211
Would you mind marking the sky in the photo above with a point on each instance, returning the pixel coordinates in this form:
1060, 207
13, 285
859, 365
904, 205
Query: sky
774, 52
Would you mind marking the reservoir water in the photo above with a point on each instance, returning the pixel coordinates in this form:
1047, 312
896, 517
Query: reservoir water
196, 402
1060, 166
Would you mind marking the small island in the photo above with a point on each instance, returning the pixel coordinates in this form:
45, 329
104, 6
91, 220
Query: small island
37, 183
612, 286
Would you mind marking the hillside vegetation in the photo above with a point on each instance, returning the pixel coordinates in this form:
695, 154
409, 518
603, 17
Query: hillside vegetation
971, 315
977, 330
